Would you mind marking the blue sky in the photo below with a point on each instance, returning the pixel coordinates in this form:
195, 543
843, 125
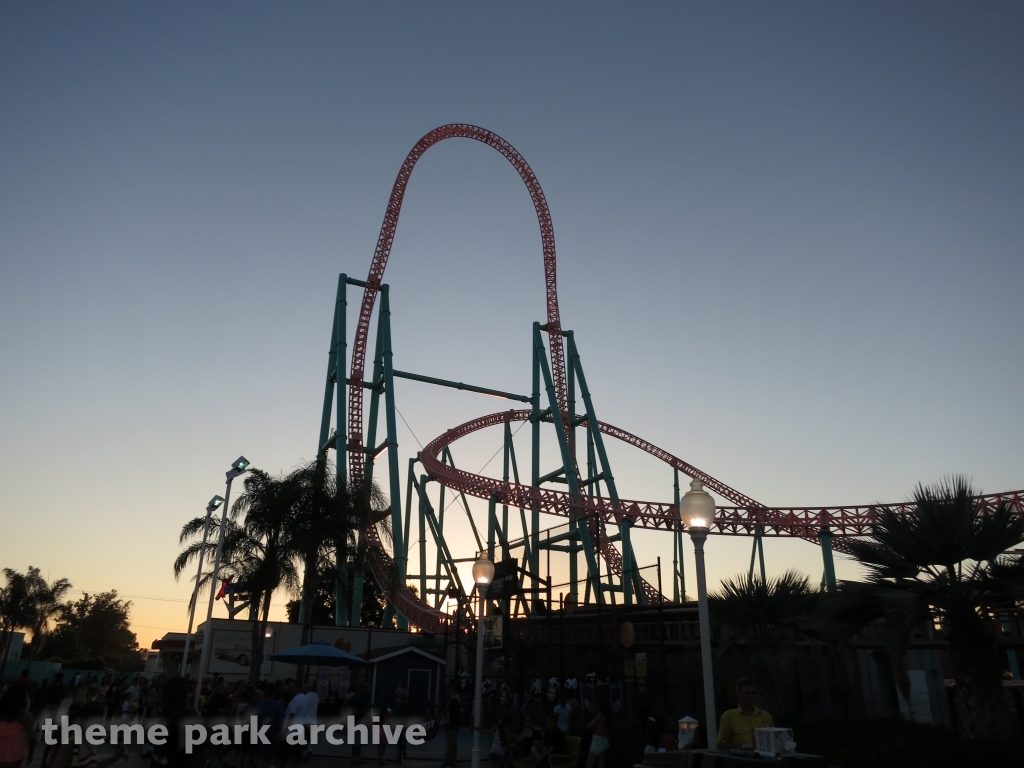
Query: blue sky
789, 241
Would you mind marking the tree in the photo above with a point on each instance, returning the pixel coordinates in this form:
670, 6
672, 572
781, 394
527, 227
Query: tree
372, 607
258, 551
328, 520
16, 611
766, 620
263, 555
947, 561
94, 627
46, 605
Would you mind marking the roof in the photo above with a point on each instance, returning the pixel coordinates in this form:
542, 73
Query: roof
382, 654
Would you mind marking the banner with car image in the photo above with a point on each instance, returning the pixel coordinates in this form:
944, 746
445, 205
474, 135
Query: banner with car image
232, 653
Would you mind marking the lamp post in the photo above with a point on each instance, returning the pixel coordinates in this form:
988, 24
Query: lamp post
215, 502
240, 465
483, 572
697, 512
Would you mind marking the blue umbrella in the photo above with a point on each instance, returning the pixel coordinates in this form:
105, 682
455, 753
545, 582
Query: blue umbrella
321, 654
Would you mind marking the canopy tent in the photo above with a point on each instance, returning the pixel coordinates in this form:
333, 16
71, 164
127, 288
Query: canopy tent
321, 654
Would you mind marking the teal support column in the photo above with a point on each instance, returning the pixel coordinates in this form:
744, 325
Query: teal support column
378, 384
758, 549
678, 580
340, 431
504, 474
563, 446
492, 523
401, 555
406, 531
438, 597
423, 545
427, 512
534, 560
825, 537
341, 377
631, 582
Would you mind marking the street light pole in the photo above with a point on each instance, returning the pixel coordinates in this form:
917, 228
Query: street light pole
238, 468
697, 512
215, 502
483, 572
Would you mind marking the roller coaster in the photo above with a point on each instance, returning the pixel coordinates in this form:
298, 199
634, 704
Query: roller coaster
560, 398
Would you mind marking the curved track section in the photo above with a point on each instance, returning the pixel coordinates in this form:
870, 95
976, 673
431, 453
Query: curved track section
381, 564
742, 520
383, 251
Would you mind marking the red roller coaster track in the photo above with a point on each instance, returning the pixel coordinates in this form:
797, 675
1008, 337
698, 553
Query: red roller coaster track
741, 520
383, 250
747, 517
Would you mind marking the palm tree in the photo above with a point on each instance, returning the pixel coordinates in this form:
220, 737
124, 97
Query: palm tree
264, 556
328, 520
46, 605
946, 562
766, 620
258, 550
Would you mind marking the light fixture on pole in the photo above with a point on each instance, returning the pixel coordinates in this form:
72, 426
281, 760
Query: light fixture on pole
240, 465
215, 502
697, 512
483, 573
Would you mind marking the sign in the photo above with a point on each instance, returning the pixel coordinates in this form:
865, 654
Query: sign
506, 580
493, 633
323, 683
641, 664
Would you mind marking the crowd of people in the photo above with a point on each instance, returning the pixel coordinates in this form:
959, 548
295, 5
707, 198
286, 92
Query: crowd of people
529, 745
106, 700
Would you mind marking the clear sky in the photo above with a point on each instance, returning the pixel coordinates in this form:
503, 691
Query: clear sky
790, 241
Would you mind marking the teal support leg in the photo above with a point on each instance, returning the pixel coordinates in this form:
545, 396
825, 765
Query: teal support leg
340, 424
401, 555
492, 523
535, 460
825, 537
632, 584
563, 446
438, 597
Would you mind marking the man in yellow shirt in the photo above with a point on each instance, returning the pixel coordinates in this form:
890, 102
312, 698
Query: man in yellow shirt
736, 730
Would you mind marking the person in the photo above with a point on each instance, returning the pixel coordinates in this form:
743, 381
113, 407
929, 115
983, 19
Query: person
553, 743
17, 728
736, 729
56, 692
522, 746
453, 717
360, 705
271, 712
402, 699
598, 741
562, 712
302, 711
178, 713
84, 755
499, 741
